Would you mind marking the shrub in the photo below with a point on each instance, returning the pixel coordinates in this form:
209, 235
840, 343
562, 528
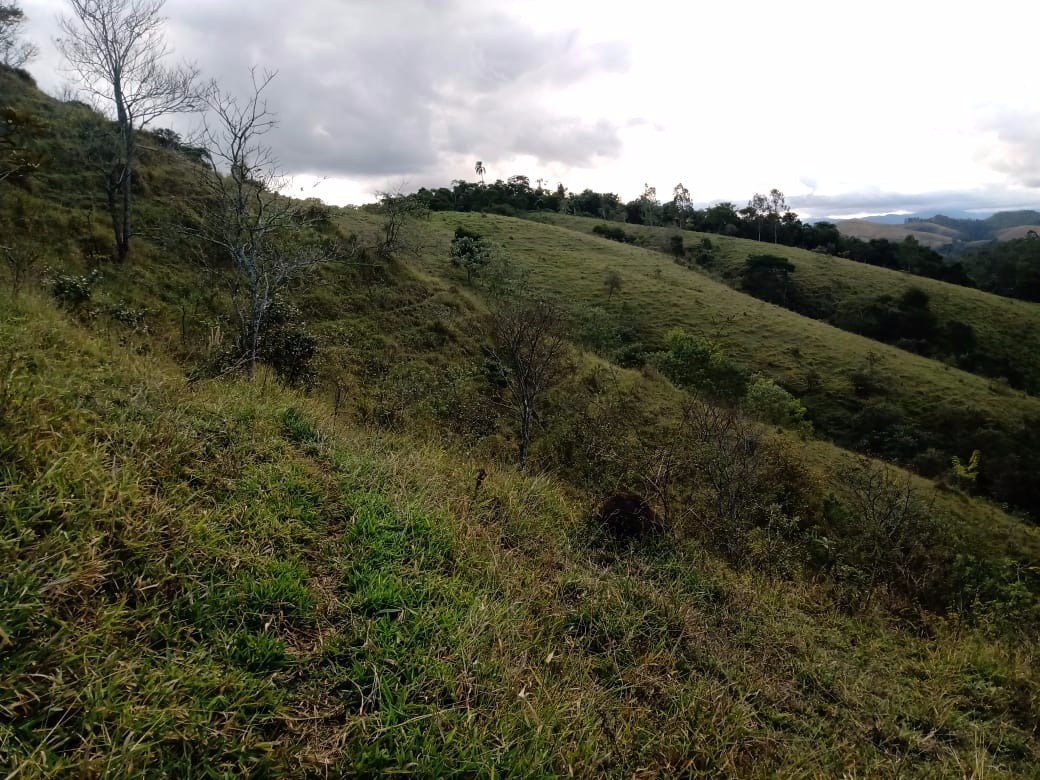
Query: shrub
769, 402
471, 252
613, 233
700, 364
288, 346
74, 292
887, 535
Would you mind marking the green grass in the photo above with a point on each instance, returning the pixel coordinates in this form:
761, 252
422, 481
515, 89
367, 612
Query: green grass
224, 577
1006, 328
813, 359
218, 579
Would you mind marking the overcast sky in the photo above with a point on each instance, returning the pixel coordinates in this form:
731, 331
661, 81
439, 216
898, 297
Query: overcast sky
866, 107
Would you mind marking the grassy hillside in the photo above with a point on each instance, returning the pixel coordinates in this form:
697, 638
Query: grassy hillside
1006, 330
209, 573
941, 231
819, 362
931, 235
1019, 231
217, 578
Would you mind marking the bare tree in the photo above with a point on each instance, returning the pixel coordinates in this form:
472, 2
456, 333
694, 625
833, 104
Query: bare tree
245, 217
777, 209
14, 53
756, 209
117, 50
527, 336
398, 210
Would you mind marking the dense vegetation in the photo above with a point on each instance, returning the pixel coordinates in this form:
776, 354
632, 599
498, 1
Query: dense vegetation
310, 547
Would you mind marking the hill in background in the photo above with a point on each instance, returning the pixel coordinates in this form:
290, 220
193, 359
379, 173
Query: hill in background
944, 233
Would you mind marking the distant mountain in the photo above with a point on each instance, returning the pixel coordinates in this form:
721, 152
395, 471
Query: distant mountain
943, 232
899, 219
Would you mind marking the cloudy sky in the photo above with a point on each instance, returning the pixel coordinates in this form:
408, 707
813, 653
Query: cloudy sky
848, 107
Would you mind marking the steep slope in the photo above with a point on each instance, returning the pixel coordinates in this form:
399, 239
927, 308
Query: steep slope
204, 574
1006, 330
217, 578
859, 392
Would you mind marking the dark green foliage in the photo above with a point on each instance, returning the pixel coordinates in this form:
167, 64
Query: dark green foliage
288, 345
298, 428
768, 277
699, 364
614, 233
675, 244
1007, 268
470, 251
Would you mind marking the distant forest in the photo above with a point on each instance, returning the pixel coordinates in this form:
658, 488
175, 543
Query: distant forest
1009, 268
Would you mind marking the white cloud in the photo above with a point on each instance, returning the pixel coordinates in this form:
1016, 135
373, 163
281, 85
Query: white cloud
829, 100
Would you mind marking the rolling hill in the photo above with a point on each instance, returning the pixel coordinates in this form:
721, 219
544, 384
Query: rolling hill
929, 234
333, 566
942, 233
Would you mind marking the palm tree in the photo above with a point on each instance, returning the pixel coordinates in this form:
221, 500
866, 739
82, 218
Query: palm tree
480, 170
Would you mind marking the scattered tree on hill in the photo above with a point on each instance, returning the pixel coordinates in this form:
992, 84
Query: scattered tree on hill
527, 341
117, 49
245, 217
480, 170
768, 278
682, 203
649, 206
470, 251
778, 210
613, 283
14, 53
755, 211
398, 211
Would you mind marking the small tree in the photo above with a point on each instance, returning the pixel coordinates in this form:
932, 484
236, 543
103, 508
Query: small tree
755, 210
777, 209
613, 283
480, 170
891, 534
683, 204
398, 210
527, 338
116, 48
14, 53
470, 251
245, 217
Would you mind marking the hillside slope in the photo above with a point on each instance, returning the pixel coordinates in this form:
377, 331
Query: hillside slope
928, 234
833, 371
218, 578
1006, 330
205, 573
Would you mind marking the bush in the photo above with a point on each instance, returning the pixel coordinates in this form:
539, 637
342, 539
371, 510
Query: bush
74, 292
700, 364
471, 252
886, 535
288, 346
628, 516
613, 233
769, 402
